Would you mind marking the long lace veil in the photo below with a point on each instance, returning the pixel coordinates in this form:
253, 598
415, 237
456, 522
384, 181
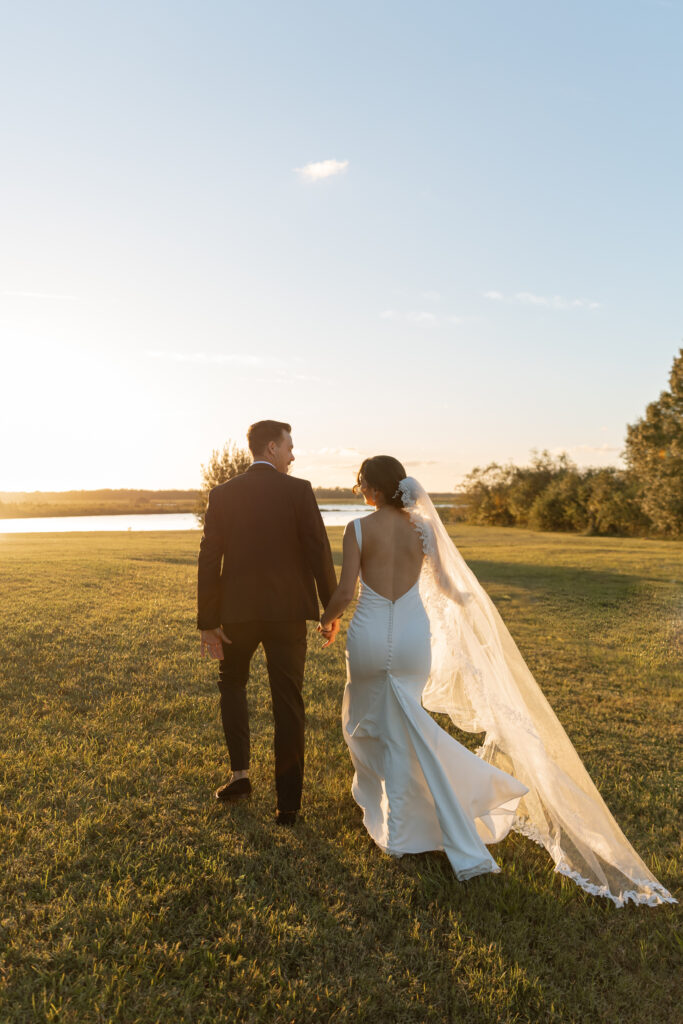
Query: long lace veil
480, 679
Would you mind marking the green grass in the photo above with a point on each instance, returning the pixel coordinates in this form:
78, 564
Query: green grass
129, 895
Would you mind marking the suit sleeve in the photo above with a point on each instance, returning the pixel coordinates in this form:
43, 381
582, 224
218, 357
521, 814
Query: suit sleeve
316, 546
209, 569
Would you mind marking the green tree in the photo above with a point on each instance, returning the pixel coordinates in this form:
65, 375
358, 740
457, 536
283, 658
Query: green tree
552, 493
559, 506
654, 456
612, 504
486, 490
224, 464
504, 495
529, 482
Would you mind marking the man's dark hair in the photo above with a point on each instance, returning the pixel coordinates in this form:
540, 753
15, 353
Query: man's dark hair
263, 432
384, 473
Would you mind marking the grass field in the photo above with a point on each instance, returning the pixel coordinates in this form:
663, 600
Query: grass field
129, 895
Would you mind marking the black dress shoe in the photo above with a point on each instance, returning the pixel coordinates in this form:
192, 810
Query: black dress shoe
239, 789
285, 817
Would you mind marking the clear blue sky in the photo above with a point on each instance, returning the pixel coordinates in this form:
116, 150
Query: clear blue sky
495, 266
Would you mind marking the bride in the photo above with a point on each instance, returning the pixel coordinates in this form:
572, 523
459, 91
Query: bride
424, 637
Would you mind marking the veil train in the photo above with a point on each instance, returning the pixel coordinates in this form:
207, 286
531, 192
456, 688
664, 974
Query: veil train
479, 678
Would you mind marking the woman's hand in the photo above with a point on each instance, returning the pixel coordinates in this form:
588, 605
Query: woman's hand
329, 631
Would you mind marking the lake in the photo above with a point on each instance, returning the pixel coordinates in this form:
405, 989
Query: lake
333, 515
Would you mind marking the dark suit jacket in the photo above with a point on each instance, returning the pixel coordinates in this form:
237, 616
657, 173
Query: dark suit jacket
263, 551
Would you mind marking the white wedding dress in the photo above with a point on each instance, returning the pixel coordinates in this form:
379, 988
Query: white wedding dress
419, 788
443, 647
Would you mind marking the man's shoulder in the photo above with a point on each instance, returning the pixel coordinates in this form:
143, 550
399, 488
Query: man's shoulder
220, 490
295, 484
298, 482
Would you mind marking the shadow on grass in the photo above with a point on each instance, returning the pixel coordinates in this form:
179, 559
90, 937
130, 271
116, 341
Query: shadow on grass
600, 588
317, 922
555, 952
369, 912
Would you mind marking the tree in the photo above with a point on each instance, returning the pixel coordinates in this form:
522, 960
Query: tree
529, 482
223, 465
654, 456
487, 491
612, 504
552, 493
558, 506
504, 495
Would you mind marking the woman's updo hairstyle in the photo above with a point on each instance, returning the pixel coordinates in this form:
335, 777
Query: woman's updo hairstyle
384, 474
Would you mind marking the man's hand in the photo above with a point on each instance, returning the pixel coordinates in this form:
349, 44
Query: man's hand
212, 643
329, 631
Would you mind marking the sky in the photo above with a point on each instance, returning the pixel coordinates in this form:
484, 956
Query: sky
446, 231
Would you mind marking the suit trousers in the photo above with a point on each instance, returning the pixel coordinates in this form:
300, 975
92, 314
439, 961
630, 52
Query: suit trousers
284, 644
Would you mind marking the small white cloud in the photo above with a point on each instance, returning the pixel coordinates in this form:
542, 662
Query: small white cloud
411, 316
430, 296
529, 299
546, 301
322, 169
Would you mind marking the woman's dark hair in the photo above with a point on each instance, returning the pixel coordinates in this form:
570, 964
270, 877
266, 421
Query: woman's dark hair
384, 473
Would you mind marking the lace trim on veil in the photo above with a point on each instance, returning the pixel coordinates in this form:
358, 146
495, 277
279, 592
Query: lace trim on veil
649, 892
479, 678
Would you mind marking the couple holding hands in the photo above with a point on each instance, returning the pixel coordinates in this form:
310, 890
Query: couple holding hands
424, 637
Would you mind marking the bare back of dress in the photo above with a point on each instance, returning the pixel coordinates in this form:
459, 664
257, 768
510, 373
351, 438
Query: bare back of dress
391, 552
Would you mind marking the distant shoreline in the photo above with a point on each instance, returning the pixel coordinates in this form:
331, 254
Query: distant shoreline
47, 511
59, 504
63, 511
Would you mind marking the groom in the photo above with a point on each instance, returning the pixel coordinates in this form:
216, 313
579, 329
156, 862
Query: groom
263, 553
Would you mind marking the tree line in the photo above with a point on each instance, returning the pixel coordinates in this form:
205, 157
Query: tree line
552, 493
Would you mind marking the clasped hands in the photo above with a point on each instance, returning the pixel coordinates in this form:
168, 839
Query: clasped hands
213, 639
329, 631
